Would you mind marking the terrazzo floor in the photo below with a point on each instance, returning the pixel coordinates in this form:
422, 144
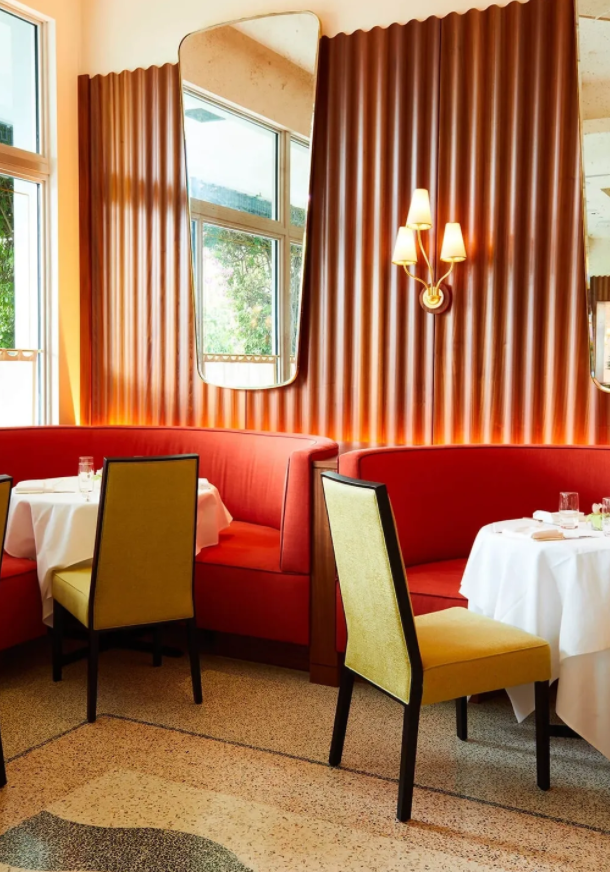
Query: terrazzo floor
240, 783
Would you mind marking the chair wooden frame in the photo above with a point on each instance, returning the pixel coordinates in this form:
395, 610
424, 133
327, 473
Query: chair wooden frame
3, 480
412, 709
59, 612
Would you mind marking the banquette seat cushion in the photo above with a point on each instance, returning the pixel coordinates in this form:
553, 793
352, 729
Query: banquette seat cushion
442, 495
256, 581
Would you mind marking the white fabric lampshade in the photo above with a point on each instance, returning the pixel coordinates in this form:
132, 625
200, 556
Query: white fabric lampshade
453, 249
405, 251
420, 216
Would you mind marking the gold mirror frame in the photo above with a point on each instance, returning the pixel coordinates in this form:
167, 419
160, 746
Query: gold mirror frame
231, 106
589, 9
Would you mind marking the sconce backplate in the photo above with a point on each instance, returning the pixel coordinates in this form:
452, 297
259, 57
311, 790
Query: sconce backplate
443, 305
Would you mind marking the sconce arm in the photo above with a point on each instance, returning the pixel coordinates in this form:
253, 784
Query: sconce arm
446, 276
423, 251
417, 279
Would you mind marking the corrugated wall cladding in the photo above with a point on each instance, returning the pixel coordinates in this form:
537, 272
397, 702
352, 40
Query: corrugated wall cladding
511, 358
142, 338
367, 350
481, 109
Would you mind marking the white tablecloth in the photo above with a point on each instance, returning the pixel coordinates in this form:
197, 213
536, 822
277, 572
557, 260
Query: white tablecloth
58, 530
560, 591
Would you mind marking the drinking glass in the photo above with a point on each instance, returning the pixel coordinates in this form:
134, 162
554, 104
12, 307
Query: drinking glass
85, 476
568, 510
606, 516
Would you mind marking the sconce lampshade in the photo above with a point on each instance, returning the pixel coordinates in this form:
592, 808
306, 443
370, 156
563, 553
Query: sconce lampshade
404, 251
453, 250
420, 216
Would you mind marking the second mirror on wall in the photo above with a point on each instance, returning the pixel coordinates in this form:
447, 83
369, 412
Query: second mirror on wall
248, 102
593, 19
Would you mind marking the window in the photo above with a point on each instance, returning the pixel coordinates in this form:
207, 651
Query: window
23, 192
248, 188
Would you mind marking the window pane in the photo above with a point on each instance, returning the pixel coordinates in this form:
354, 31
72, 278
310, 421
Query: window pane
19, 286
19, 406
299, 182
18, 83
231, 161
237, 292
296, 275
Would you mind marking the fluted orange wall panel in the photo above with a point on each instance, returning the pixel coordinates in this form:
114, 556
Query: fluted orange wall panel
143, 355
366, 371
481, 109
511, 358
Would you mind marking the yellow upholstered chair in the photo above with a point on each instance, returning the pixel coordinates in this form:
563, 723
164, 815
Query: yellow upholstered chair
432, 658
6, 485
143, 565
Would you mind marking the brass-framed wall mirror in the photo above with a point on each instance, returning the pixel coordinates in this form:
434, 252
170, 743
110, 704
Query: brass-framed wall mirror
248, 94
593, 34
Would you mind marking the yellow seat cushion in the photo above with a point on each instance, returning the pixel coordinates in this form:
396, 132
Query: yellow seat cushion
464, 653
71, 589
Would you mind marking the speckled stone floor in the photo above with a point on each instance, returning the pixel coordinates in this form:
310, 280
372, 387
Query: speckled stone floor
240, 783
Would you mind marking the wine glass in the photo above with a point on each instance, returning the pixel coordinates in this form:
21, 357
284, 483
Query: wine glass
568, 510
85, 476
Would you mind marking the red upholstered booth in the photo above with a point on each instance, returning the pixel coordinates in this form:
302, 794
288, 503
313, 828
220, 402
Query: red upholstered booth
443, 495
256, 581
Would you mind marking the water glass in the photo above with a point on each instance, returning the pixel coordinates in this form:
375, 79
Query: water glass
85, 476
606, 516
568, 510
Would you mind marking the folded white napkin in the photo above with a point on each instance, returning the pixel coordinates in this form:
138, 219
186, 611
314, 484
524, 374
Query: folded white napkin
68, 485
525, 528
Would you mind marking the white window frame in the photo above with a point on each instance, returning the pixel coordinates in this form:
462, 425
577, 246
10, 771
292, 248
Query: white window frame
36, 167
279, 229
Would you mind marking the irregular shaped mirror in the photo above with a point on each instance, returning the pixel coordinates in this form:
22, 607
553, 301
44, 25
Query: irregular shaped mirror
593, 26
248, 92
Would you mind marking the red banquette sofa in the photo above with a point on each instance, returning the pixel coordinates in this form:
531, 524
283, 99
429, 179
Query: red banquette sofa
443, 495
256, 581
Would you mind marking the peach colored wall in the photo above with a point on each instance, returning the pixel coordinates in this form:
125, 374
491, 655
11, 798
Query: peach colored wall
232, 66
126, 34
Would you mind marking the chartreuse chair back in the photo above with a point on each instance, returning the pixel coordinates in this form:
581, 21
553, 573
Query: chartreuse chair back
143, 567
144, 557
6, 485
446, 655
381, 638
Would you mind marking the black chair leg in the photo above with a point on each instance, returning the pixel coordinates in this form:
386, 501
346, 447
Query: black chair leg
92, 671
461, 718
543, 735
157, 645
410, 729
58, 638
344, 700
2, 766
191, 626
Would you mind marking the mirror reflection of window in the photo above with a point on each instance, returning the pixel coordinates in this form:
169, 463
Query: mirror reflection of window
248, 92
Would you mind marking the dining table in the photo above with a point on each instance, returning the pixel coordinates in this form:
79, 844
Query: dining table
559, 589
52, 522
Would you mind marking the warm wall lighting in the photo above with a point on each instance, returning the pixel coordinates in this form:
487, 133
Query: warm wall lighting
433, 297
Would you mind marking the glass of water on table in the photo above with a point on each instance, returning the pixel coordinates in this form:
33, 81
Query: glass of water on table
568, 510
85, 476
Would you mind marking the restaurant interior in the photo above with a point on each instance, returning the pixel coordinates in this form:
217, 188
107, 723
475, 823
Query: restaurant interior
304, 436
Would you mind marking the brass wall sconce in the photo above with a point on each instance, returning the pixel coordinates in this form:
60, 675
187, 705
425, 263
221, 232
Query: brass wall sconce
433, 298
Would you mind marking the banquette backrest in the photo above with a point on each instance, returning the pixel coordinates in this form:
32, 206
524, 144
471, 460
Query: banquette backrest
442, 495
264, 478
